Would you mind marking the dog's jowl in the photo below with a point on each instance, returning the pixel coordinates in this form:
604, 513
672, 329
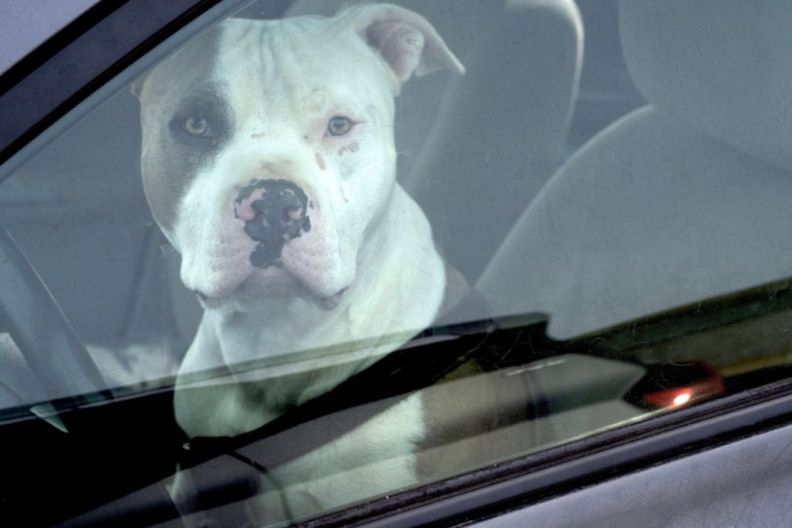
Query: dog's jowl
268, 161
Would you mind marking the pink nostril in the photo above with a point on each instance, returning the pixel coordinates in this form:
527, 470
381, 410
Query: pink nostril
294, 213
243, 209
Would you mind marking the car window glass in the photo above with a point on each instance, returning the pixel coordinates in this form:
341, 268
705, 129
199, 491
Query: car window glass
306, 262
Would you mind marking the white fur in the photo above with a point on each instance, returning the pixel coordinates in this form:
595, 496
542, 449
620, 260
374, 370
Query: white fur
369, 249
397, 293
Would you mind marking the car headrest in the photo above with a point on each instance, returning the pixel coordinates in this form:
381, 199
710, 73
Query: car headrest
720, 66
494, 135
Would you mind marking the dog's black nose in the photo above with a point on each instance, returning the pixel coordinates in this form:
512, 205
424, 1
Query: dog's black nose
279, 214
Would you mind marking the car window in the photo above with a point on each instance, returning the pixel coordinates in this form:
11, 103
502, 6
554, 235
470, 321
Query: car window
298, 263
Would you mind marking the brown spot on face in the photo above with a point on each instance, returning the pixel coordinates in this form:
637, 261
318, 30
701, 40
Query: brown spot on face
320, 161
278, 167
352, 147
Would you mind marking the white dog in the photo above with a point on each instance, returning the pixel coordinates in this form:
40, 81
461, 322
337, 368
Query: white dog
268, 161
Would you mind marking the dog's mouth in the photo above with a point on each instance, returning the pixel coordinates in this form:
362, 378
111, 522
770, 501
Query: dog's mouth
274, 283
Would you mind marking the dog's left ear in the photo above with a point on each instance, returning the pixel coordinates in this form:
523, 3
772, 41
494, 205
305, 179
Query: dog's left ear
405, 40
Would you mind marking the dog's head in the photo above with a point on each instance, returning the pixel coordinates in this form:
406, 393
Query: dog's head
267, 153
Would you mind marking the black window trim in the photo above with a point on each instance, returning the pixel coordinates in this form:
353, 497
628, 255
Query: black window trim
57, 41
78, 60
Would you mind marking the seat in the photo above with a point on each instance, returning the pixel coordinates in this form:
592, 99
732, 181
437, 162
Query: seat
684, 199
474, 150
77, 211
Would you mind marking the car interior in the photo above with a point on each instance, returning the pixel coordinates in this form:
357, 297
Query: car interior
607, 175
655, 211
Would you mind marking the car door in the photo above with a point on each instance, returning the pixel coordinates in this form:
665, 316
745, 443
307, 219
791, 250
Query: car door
562, 391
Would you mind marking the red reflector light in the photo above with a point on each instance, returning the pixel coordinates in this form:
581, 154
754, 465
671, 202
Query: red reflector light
679, 397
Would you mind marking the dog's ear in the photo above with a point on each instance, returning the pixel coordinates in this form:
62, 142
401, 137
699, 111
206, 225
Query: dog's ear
405, 40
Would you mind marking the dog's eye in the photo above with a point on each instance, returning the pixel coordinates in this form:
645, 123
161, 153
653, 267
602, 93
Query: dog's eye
339, 126
197, 126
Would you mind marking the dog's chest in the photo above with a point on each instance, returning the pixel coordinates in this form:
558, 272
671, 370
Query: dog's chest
372, 459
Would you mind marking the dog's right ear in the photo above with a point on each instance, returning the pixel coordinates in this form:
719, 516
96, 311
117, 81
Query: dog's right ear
405, 40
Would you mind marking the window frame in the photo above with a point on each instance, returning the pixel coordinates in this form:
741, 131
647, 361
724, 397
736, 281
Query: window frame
45, 85
556, 471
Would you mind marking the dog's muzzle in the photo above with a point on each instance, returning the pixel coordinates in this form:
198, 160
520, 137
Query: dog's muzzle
274, 212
